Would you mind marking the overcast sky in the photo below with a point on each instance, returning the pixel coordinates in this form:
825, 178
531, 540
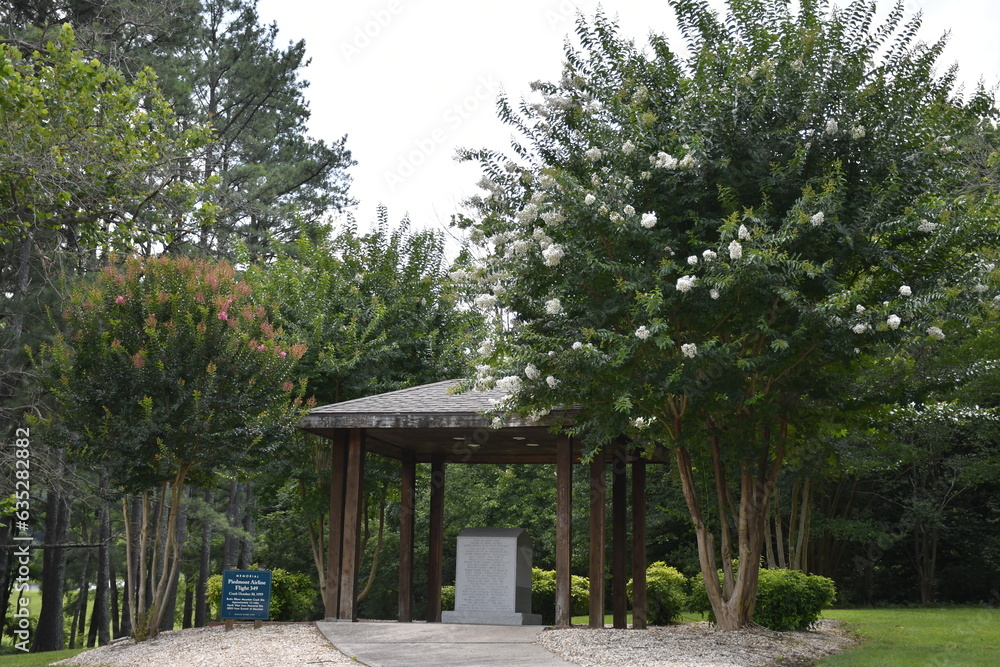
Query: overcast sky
409, 81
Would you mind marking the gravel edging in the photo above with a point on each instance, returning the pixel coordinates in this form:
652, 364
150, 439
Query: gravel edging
695, 645
293, 645
244, 646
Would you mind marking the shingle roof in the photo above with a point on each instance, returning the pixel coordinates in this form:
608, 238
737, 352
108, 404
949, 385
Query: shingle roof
435, 398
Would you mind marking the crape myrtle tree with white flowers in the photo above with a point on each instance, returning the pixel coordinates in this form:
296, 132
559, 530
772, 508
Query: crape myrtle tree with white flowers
678, 243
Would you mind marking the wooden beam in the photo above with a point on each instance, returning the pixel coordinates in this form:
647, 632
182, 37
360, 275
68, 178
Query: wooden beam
639, 544
353, 487
597, 498
406, 519
335, 538
564, 522
619, 537
435, 551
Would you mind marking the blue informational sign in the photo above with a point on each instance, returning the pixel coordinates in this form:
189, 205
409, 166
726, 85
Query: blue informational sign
246, 594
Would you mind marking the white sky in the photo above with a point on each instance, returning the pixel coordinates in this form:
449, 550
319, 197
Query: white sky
409, 81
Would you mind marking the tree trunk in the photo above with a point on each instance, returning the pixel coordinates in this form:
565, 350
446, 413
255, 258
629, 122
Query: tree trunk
231, 543
204, 564
6, 567
170, 610
734, 597
79, 623
188, 607
99, 620
113, 598
49, 635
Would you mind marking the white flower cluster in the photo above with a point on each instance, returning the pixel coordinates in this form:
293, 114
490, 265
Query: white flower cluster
593, 154
743, 233
709, 255
858, 132
926, 226
935, 333
860, 328
553, 218
689, 350
628, 148
629, 210
589, 199
817, 219
642, 423
692, 260
531, 372
553, 307
735, 250
648, 220
832, 127
642, 333
894, 321
485, 301
509, 385
663, 161
904, 290
552, 381
714, 293
553, 254
686, 283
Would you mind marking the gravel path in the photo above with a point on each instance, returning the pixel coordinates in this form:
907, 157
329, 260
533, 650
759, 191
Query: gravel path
684, 645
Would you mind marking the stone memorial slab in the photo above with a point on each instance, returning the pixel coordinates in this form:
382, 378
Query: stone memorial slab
493, 578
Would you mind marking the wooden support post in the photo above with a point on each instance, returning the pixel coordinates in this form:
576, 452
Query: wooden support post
619, 538
639, 544
335, 538
435, 551
597, 497
406, 518
564, 522
353, 488
258, 624
230, 624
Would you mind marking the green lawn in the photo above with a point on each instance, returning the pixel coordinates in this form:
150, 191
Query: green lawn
36, 659
950, 636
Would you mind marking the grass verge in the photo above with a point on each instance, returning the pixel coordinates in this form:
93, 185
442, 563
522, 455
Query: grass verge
37, 659
942, 637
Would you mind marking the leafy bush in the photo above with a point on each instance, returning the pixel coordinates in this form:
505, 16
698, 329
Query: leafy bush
786, 599
665, 593
790, 600
292, 595
448, 598
543, 594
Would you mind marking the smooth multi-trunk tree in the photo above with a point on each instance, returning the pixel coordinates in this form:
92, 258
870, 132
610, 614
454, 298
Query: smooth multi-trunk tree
684, 241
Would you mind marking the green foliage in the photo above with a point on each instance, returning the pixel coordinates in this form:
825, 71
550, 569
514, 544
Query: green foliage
786, 599
666, 596
791, 600
170, 368
293, 595
543, 594
448, 598
84, 151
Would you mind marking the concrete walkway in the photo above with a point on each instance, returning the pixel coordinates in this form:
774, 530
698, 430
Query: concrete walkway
439, 644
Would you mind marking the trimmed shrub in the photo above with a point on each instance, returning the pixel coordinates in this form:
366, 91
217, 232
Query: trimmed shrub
543, 594
790, 600
665, 596
786, 599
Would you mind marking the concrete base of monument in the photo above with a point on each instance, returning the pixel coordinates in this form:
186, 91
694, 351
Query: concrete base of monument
490, 617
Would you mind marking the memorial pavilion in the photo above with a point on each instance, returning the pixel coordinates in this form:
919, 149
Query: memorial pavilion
436, 424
